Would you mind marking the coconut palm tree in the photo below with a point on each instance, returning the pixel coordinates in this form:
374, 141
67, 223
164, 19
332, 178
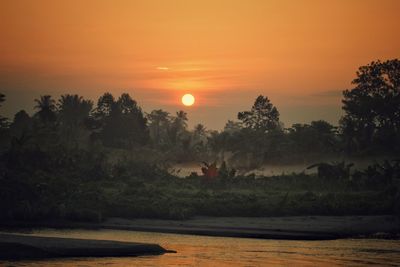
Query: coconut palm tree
73, 111
46, 109
181, 119
200, 130
199, 135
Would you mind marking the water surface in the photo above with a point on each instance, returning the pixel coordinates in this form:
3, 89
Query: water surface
225, 251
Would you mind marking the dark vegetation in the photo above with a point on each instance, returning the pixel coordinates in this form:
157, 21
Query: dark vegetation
73, 160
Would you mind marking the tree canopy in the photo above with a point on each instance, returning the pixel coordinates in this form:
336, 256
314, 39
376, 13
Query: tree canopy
263, 115
372, 107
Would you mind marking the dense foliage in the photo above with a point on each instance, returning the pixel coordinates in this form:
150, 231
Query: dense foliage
74, 160
372, 119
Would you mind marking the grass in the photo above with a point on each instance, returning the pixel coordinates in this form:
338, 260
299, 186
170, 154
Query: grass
90, 190
289, 195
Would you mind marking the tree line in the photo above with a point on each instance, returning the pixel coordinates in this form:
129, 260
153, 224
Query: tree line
370, 126
74, 159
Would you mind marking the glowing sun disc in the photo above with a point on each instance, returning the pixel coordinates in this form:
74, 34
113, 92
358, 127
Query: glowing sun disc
188, 100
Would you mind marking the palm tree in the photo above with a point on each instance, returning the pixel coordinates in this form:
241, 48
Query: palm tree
199, 133
46, 108
200, 130
181, 119
73, 110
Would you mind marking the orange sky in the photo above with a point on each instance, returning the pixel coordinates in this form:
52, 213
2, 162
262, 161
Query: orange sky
301, 54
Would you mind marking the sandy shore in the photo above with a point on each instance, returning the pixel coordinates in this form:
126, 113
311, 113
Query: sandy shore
14, 246
290, 228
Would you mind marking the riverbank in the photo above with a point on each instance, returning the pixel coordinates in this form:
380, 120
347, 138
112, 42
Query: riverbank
288, 228
21, 247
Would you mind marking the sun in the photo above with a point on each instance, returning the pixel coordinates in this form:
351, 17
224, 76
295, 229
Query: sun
188, 100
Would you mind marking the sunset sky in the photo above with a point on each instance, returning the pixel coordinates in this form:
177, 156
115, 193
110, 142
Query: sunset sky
301, 54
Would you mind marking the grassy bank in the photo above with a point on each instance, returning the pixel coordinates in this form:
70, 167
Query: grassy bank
85, 187
290, 195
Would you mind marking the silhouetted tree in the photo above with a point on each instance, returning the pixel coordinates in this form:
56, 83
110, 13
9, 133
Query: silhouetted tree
104, 105
73, 112
199, 147
199, 137
4, 127
45, 132
3, 120
263, 115
133, 124
22, 124
317, 137
2, 99
232, 127
120, 123
159, 121
199, 130
127, 105
178, 127
181, 118
372, 107
46, 109
125, 126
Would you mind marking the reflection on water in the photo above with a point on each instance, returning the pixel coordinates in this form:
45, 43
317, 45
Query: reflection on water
223, 251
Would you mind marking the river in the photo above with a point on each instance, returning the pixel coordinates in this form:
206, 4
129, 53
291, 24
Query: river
223, 251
